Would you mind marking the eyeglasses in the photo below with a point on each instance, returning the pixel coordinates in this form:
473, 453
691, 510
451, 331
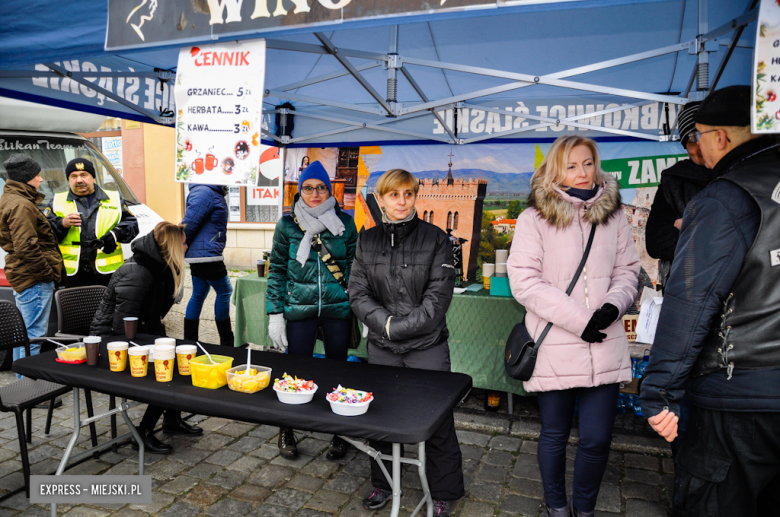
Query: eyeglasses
308, 189
695, 136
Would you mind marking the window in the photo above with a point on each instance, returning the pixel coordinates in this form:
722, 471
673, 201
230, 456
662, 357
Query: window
455, 221
430, 217
425, 216
449, 220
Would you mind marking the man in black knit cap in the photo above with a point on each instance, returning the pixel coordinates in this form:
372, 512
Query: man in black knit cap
33, 264
718, 335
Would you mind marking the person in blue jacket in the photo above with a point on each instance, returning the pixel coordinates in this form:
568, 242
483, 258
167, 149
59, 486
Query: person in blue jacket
205, 224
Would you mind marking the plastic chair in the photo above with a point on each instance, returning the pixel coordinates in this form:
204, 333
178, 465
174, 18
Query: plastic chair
76, 307
25, 393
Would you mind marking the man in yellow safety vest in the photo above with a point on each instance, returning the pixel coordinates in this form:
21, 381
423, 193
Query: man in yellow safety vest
89, 223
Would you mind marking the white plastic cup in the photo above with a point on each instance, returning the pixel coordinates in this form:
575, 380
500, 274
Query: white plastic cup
139, 360
164, 341
501, 270
92, 339
502, 256
117, 355
488, 270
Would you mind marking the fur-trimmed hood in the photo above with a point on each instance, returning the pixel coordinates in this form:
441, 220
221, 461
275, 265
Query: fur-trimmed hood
558, 208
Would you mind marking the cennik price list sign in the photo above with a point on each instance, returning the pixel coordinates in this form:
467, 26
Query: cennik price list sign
219, 94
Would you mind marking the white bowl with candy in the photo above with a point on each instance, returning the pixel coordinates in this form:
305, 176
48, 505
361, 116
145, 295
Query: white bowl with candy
349, 402
292, 390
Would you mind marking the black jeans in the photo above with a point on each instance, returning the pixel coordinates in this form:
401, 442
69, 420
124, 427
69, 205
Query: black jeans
302, 336
444, 462
597, 406
729, 465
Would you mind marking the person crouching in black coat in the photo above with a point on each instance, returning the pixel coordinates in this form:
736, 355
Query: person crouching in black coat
145, 287
401, 286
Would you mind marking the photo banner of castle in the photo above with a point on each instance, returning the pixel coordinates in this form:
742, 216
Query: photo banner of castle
454, 182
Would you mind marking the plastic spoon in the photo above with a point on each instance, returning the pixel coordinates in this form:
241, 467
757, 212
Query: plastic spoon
248, 361
207, 354
135, 344
56, 343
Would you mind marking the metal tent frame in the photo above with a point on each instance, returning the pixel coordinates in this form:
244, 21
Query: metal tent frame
386, 112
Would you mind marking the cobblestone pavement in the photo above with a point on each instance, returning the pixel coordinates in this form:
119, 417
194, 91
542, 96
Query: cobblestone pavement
234, 470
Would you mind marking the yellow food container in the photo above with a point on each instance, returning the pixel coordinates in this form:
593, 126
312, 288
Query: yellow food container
207, 375
258, 379
72, 353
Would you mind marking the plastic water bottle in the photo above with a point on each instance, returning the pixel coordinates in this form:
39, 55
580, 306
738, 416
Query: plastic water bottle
622, 403
642, 366
634, 362
636, 405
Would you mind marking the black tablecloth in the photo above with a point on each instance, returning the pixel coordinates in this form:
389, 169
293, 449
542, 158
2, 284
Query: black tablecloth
409, 405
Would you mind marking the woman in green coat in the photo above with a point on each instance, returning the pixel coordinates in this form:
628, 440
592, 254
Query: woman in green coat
303, 296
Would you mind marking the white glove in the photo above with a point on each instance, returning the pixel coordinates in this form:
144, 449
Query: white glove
277, 331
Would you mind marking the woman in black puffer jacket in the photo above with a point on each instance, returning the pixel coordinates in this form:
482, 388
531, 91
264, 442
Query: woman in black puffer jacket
401, 286
145, 287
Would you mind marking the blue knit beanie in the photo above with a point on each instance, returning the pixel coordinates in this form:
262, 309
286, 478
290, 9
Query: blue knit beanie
315, 171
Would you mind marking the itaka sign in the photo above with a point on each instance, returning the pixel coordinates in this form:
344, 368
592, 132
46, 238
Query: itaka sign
219, 94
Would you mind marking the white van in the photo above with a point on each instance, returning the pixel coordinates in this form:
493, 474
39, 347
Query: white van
48, 136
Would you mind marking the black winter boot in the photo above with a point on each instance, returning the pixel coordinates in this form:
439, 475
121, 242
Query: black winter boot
225, 333
191, 329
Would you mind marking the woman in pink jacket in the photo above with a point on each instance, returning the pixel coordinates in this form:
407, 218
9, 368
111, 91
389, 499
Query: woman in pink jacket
585, 355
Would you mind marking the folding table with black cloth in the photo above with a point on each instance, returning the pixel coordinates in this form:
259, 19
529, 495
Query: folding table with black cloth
409, 405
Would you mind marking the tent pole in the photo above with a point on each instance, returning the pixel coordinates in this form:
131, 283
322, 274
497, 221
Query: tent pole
323, 78
324, 102
732, 46
703, 76
392, 67
362, 125
334, 51
424, 98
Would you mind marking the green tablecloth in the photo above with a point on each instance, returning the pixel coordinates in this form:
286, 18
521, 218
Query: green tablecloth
479, 325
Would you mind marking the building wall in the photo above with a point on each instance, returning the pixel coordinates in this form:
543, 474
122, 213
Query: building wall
246, 243
464, 197
133, 170
163, 194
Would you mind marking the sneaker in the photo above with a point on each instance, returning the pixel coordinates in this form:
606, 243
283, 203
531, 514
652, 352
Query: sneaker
377, 499
441, 508
288, 444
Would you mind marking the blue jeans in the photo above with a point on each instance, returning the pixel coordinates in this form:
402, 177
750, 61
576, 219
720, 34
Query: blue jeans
35, 305
597, 416
200, 289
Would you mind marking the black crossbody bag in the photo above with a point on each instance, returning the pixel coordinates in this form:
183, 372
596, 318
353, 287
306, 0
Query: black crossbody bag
520, 347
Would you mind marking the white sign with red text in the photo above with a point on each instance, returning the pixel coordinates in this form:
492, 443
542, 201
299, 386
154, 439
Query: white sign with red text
219, 95
263, 196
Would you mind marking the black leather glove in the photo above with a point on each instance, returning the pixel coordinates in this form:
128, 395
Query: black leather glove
107, 243
601, 319
605, 316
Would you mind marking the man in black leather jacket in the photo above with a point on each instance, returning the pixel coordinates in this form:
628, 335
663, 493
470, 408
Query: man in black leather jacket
400, 287
718, 331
